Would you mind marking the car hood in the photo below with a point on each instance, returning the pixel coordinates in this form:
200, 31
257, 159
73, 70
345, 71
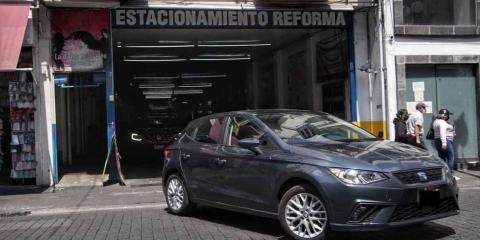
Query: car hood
370, 155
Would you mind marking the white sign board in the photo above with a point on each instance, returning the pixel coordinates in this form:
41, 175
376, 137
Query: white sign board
419, 96
418, 86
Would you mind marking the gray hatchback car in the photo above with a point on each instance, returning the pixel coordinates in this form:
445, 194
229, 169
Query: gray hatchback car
312, 171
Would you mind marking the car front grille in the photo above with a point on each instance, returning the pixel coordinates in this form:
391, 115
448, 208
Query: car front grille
420, 176
412, 211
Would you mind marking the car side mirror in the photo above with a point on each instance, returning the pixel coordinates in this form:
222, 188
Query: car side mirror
251, 144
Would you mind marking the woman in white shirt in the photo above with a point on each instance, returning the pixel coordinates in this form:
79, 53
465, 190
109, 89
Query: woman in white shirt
444, 134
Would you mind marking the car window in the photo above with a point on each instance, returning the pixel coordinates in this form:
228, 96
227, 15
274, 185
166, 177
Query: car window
242, 128
191, 131
208, 131
308, 127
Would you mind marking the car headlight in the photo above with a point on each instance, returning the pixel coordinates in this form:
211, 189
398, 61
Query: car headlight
353, 176
447, 173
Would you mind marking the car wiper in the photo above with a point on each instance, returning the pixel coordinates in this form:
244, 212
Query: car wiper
359, 140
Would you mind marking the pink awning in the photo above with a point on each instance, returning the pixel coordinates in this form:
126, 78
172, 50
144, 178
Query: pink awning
12, 30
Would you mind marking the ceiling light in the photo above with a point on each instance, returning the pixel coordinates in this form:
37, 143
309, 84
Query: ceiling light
196, 86
159, 86
186, 92
220, 59
236, 45
157, 92
156, 77
161, 46
158, 96
233, 43
161, 56
225, 55
191, 75
156, 60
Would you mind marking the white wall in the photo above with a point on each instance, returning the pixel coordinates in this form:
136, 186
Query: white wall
369, 91
436, 46
45, 104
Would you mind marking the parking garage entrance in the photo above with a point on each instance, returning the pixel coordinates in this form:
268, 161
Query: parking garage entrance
172, 66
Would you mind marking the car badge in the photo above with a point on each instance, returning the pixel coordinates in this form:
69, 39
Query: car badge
422, 176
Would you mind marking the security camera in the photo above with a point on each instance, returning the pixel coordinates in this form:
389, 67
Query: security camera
365, 67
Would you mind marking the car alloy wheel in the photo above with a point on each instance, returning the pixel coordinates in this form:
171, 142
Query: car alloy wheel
302, 213
177, 196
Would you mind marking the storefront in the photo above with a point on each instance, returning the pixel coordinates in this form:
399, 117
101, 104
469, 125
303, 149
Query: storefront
18, 162
142, 73
174, 65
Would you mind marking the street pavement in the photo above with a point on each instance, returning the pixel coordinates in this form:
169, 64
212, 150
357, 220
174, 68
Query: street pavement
137, 211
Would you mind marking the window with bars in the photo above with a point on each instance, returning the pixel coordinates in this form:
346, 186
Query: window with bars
439, 12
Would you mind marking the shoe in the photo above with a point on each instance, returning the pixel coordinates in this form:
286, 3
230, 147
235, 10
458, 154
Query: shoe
457, 178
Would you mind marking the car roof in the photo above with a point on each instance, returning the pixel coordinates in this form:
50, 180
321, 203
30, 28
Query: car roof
254, 112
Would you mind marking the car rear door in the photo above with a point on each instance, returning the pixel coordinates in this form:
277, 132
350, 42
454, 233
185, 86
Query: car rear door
197, 154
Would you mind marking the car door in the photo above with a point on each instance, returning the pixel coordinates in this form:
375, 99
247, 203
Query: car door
198, 153
247, 177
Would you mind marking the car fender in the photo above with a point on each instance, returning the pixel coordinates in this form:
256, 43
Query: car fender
307, 173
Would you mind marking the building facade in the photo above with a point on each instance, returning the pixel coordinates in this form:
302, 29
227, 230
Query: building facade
432, 55
142, 69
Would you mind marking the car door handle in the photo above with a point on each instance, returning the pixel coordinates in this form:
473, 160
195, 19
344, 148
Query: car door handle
220, 162
185, 156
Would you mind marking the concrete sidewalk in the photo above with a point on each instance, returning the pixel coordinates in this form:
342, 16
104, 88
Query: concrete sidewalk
146, 193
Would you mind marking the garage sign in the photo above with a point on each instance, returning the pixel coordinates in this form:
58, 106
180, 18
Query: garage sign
194, 18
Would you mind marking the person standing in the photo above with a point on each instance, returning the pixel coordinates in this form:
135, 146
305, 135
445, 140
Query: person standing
415, 126
401, 126
444, 134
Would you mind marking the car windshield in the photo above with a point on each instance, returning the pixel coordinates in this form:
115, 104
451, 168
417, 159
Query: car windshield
302, 127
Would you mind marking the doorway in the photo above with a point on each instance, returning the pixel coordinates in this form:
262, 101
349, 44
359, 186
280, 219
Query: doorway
453, 87
168, 77
81, 124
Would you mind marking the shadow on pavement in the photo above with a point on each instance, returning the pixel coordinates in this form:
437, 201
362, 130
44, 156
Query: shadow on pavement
238, 220
425, 231
22, 189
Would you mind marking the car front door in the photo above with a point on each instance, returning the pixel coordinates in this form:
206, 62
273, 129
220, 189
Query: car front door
247, 177
198, 154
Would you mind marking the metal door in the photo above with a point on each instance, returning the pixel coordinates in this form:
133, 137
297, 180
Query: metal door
451, 87
456, 92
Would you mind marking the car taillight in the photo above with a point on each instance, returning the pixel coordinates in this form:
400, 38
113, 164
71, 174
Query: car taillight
166, 153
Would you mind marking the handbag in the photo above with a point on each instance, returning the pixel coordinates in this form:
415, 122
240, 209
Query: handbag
430, 134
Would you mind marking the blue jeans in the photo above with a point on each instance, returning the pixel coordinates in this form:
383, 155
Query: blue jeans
446, 155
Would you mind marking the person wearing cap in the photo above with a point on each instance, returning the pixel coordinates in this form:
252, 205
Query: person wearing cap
444, 134
415, 126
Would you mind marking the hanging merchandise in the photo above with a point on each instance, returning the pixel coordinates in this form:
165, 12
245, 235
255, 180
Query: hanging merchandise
22, 112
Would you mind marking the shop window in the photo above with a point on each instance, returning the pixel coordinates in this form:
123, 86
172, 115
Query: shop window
439, 12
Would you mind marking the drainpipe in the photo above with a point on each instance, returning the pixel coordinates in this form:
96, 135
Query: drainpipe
383, 79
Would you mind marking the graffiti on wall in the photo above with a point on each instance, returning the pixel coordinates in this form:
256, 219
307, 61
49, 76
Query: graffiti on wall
79, 39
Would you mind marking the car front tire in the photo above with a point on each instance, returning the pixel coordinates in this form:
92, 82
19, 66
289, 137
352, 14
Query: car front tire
303, 214
178, 201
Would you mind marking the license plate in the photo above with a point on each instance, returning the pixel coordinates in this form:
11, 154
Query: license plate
429, 197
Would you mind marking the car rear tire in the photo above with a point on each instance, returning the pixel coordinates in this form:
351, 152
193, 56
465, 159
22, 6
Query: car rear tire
303, 214
178, 201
